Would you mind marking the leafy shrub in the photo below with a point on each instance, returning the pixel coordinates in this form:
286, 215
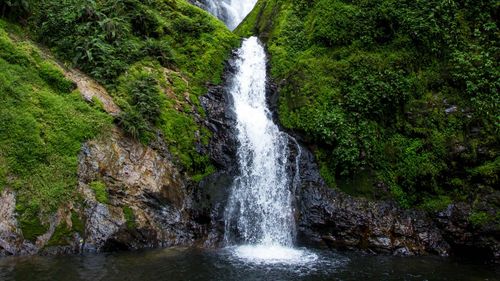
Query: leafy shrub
108, 39
133, 124
332, 23
145, 97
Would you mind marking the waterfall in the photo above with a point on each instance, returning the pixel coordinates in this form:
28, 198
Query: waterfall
259, 213
231, 12
260, 205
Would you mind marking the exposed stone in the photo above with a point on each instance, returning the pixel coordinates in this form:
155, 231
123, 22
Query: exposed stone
12, 241
90, 90
354, 223
465, 237
139, 178
10, 238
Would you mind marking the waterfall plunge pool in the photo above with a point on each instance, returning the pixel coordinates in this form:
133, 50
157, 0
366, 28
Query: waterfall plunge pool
273, 254
223, 264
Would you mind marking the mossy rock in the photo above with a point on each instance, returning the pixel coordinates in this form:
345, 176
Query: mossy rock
129, 217
100, 191
62, 235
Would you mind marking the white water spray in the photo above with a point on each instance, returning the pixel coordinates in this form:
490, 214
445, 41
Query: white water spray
232, 12
260, 209
260, 212
260, 202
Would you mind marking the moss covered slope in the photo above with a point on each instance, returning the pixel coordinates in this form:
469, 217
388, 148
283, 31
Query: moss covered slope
154, 57
43, 122
392, 95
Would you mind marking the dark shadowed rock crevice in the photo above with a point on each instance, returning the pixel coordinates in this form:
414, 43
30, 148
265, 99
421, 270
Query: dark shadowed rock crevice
214, 190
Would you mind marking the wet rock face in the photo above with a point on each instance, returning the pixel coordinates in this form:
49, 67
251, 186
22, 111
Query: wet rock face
221, 121
333, 219
148, 202
10, 239
212, 194
466, 238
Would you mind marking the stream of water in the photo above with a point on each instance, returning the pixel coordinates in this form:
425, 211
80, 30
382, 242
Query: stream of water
259, 214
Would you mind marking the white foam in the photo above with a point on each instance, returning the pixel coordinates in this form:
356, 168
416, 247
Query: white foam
274, 254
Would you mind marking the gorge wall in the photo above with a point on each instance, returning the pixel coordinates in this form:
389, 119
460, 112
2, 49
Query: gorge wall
125, 179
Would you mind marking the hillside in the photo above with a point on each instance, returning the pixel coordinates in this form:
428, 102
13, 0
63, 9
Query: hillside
395, 98
154, 58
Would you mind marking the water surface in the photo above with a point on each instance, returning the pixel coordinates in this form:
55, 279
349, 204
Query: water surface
197, 264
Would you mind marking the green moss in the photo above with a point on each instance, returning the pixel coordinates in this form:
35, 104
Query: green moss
489, 171
100, 191
129, 217
77, 224
98, 104
43, 124
29, 222
32, 228
3, 173
53, 76
436, 203
62, 235
141, 40
478, 218
210, 169
360, 184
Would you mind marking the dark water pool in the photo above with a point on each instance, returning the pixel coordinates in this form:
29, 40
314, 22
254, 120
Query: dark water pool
196, 264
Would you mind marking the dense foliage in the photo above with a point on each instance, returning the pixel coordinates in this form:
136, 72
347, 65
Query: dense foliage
392, 95
155, 57
106, 38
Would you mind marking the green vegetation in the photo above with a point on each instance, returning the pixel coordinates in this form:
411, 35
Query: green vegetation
480, 218
132, 47
403, 91
77, 224
100, 191
61, 235
43, 123
129, 217
29, 221
395, 96
155, 57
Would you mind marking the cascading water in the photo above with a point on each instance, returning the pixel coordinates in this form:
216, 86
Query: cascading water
259, 211
260, 203
232, 12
